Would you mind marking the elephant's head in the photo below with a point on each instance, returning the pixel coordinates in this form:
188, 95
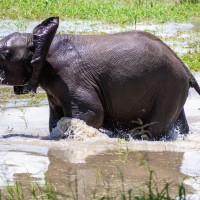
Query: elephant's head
22, 55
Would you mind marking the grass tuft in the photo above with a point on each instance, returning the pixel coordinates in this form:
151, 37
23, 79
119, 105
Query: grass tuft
192, 60
112, 11
48, 192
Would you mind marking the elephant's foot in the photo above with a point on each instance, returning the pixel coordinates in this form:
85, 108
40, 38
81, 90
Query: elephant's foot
179, 129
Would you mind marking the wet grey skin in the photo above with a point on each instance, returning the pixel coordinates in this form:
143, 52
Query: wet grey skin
109, 81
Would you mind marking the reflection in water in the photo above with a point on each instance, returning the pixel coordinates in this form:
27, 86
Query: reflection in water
190, 167
96, 173
30, 163
15, 163
113, 168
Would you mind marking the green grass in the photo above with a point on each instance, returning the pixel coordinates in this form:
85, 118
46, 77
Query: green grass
192, 60
112, 11
7, 94
48, 192
190, 57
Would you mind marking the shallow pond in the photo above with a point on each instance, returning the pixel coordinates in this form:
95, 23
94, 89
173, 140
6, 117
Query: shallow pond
96, 162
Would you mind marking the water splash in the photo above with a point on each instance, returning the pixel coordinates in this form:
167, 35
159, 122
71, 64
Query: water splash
74, 129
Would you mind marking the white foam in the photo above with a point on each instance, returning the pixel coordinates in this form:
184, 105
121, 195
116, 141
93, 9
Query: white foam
75, 129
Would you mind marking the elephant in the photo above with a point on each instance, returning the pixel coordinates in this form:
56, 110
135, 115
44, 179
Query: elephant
109, 81
22, 89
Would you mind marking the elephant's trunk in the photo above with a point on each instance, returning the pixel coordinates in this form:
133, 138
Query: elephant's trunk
24, 89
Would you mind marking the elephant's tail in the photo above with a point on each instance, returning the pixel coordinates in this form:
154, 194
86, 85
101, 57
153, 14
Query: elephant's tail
192, 80
193, 83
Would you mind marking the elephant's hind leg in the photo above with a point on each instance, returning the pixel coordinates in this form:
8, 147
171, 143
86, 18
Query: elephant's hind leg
162, 119
180, 125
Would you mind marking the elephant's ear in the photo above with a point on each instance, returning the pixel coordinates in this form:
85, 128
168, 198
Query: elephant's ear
43, 35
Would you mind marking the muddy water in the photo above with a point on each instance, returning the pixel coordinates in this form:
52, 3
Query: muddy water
96, 162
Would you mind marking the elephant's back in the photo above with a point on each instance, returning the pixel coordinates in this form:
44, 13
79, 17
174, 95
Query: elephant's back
127, 48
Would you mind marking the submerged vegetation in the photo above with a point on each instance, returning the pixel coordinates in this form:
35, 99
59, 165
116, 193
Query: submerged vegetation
112, 11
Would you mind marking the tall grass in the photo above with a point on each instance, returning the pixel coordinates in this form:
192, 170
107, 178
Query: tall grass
113, 11
36, 192
192, 60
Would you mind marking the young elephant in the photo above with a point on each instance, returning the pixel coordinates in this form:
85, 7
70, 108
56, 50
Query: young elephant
108, 81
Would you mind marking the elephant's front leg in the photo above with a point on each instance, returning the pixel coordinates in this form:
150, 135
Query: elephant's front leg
55, 114
88, 108
92, 117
